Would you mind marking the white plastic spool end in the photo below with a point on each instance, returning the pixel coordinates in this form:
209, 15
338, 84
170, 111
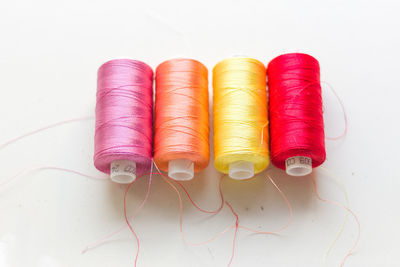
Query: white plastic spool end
241, 170
123, 171
298, 166
181, 169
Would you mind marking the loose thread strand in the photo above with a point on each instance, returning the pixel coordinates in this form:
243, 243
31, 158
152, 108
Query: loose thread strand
236, 225
9, 142
26, 171
109, 236
167, 180
341, 229
235, 234
343, 134
130, 226
338, 204
200, 209
290, 212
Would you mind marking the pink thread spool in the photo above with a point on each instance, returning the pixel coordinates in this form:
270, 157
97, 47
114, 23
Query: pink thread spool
124, 113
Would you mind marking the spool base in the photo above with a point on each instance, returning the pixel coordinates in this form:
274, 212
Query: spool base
298, 166
241, 170
181, 169
123, 171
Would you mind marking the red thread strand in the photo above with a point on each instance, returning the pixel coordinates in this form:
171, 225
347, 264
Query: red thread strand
200, 209
236, 226
235, 234
128, 220
130, 226
295, 109
169, 181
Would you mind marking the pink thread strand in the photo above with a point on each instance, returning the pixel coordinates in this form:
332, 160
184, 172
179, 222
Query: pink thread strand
108, 236
51, 168
9, 142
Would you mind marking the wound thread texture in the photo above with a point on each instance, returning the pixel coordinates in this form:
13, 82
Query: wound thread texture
124, 111
295, 109
240, 113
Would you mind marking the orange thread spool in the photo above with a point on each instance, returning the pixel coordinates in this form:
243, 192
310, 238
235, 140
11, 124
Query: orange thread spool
181, 142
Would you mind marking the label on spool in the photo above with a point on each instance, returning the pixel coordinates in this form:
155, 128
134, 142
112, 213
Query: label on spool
298, 160
298, 166
127, 167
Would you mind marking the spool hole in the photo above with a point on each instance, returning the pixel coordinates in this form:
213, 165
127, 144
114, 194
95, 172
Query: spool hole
181, 169
241, 170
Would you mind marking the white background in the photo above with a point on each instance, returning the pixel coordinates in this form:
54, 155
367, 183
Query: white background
49, 55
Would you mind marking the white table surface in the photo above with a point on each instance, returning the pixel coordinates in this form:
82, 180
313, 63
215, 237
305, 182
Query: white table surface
49, 55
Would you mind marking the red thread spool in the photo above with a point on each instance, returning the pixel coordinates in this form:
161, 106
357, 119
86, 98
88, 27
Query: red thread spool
295, 110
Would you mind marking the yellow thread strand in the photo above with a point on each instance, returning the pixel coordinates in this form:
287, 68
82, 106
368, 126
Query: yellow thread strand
240, 114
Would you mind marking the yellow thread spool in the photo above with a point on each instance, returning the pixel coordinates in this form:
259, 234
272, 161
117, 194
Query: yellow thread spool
240, 117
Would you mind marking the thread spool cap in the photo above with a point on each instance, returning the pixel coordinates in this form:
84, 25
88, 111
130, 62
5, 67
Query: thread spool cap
241, 170
123, 171
298, 166
181, 169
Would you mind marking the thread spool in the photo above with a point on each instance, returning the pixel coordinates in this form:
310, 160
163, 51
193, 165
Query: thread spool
240, 117
124, 109
181, 143
295, 108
